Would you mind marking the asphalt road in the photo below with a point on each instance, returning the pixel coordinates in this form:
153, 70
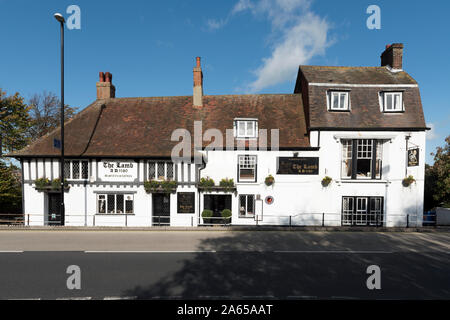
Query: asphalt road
224, 265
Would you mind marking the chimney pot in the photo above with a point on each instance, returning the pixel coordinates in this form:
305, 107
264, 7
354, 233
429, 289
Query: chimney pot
105, 88
393, 56
198, 84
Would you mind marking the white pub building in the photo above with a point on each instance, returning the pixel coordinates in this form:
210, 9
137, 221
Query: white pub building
346, 148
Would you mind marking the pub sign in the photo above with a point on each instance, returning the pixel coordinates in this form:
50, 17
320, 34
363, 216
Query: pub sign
298, 165
413, 157
186, 202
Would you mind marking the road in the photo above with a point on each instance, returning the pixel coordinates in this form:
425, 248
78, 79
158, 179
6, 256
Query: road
224, 265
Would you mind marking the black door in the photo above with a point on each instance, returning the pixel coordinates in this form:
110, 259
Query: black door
216, 203
161, 209
54, 209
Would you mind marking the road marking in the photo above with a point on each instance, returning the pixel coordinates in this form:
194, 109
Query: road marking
146, 251
11, 251
120, 298
329, 251
301, 297
75, 298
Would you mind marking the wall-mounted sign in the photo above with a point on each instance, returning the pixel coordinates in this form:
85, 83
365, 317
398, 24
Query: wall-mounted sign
117, 170
186, 202
413, 157
300, 165
269, 199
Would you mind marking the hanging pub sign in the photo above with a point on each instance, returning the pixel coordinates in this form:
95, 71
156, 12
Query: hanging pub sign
186, 202
117, 170
298, 165
413, 157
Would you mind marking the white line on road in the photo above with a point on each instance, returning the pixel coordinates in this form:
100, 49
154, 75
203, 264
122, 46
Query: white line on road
146, 251
11, 251
329, 251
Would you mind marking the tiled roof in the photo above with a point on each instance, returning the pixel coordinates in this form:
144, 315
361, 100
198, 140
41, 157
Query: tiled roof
142, 127
365, 113
355, 75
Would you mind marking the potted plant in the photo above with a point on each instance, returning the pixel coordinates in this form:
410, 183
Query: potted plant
42, 183
270, 180
56, 184
168, 186
206, 215
226, 215
408, 181
165, 186
227, 184
206, 183
326, 181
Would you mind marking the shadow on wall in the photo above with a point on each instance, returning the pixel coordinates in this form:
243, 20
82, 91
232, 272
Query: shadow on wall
244, 266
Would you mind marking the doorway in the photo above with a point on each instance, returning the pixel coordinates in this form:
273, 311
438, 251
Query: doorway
54, 217
161, 209
216, 203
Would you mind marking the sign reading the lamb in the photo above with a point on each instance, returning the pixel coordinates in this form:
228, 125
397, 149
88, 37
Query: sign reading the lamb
120, 171
300, 165
186, 202
413, 157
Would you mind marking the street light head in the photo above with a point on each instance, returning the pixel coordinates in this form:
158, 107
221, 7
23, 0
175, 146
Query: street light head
59, 17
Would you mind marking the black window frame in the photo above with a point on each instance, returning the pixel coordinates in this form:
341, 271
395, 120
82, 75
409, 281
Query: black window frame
379, 220
355, 160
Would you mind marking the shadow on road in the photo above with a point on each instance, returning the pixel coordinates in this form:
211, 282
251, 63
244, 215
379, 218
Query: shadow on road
238, 270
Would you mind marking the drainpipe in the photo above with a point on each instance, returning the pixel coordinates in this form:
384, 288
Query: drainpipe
406, 164
203, 166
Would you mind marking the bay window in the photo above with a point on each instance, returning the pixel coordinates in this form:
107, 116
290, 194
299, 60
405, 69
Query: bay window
361, 159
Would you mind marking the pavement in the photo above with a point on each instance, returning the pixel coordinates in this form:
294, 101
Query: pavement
223, 264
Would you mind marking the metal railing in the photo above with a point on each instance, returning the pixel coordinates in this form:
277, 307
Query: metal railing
301, 219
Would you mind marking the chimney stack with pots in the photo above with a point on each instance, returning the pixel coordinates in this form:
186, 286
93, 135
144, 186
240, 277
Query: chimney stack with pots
105, 88
198, 84
393, 56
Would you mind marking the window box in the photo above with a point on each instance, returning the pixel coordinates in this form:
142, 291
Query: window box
163, 186
44, 184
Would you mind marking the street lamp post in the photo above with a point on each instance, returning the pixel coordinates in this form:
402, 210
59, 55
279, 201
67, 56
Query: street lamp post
61, 20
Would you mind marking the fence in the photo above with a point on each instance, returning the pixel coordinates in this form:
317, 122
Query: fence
302, 219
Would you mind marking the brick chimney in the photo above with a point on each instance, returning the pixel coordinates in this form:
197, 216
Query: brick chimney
198, 84
393, 56
105, 88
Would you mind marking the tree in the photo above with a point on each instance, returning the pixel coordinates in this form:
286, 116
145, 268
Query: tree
45, 113
10, 189
437, 178
14, 122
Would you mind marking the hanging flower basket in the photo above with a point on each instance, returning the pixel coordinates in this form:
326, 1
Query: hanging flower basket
270, 180
409, 180
326, 181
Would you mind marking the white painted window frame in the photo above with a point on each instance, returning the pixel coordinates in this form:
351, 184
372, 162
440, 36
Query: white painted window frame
345, 107
245, 122
252, 164
400, 107
125, 195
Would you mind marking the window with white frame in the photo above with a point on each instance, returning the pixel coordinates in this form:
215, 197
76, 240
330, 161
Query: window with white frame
161, 170
247, 168
361, 159
246, 205
246, 128
76, 169
338, 100
115, 203
392, 101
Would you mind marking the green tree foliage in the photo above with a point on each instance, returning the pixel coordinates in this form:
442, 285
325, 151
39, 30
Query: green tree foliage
45, 113
10, 189
14, 122
437, 178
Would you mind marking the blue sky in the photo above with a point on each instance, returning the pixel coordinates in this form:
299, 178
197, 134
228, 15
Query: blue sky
246, 46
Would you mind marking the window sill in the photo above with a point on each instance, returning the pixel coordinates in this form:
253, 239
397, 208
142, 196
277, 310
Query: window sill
246, 217
336, 110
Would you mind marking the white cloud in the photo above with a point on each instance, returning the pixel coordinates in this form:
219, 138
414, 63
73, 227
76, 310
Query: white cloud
297, 36
431, 134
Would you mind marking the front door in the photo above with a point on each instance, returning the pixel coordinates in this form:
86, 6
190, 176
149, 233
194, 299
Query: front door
161, 209
54, 209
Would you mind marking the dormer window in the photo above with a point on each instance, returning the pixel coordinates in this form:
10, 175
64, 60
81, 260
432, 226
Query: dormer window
392, 101
246, 128
338, 101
